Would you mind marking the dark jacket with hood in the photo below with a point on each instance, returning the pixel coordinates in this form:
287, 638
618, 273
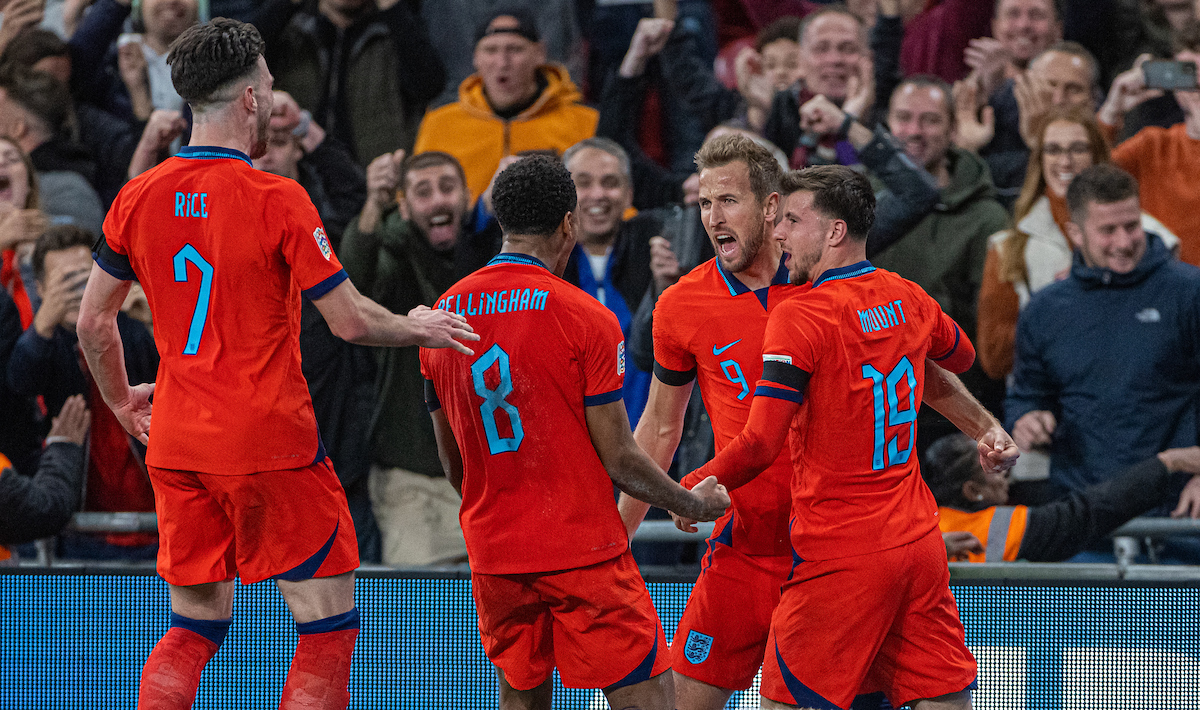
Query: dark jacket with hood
1116, 359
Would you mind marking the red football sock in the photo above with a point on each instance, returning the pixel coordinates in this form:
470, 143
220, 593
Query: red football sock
319, 678
172, 672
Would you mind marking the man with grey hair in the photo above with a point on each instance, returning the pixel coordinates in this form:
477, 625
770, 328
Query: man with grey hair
612, 258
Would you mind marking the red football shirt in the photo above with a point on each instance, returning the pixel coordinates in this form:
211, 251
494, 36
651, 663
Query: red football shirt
852, 351
536, 497
710, 326
223, 252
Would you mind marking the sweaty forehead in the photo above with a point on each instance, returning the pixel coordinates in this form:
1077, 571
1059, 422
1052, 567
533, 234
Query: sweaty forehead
730, 178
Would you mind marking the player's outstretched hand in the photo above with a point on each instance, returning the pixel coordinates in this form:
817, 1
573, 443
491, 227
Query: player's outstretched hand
714, 499
134, 414
997, 450
442, 329
959, 544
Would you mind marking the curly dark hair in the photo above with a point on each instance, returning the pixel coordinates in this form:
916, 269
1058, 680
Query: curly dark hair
206, 58
950, 462
532, 196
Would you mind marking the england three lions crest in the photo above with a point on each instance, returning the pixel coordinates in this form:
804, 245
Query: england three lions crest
323, 243
697, 647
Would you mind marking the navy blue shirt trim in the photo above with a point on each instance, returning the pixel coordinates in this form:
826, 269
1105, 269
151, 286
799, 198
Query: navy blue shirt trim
779, 393
674, 378
953, 348
603, 398
844, 272
513, 258
326, 286
432, 403
212, 152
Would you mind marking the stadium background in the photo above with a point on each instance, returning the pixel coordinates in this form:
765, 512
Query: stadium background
71, 640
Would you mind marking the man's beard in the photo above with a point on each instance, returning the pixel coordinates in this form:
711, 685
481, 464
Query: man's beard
748, 252
804, 264
262, 133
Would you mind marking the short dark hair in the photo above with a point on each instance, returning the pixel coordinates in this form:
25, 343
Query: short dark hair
950, 462
429, 159
1101, 184
47, 99
764, 170
33, 45
927, 81
206, 58
786, 27
838, 192
533, 195
57, 238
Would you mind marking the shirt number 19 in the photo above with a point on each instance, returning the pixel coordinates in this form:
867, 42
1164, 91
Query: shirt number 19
887, 402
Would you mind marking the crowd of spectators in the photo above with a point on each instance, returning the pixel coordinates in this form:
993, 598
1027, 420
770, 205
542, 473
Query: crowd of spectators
974, 120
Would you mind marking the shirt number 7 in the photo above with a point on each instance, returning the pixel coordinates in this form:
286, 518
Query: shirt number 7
200, 315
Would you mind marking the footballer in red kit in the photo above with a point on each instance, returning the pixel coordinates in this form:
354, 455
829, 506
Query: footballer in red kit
241, 482
867, 607
533, 433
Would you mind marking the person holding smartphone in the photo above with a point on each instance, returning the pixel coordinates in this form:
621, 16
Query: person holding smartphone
1162, 159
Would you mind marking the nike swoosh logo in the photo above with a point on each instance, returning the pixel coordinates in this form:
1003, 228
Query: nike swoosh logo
718, 351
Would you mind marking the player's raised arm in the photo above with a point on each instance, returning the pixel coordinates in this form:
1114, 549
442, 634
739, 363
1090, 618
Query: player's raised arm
756, 448
357, 319
658, 434
947, 394
634, 473
100, 342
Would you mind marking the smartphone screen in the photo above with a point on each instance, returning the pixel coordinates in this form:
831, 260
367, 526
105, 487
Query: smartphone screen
1170, 75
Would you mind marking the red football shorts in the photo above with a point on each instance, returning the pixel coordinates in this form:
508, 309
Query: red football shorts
292, 525
881, 621
596, 624
723, 631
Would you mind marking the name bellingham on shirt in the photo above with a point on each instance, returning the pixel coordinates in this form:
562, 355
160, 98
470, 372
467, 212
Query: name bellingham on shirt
489, 302
878, 318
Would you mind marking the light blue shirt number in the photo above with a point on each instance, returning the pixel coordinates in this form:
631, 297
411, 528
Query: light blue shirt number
884, 391
200, 315
494, 399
